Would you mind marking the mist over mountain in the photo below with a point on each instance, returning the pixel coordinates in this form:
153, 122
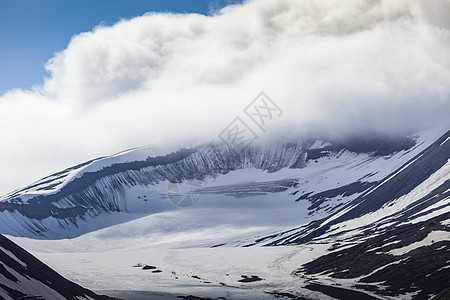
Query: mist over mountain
337, 69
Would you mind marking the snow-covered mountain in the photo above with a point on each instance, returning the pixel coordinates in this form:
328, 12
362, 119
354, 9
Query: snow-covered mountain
362, 218
323, 175
22, 276
394, 239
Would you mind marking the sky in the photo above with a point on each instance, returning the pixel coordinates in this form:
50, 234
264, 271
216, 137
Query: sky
32, 31
332, 67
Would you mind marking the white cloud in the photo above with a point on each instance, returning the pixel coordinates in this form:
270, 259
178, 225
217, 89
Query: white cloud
331, 65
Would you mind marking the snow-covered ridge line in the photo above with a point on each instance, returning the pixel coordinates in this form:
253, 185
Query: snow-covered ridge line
55, 182
103, 190
52, 183
119, 183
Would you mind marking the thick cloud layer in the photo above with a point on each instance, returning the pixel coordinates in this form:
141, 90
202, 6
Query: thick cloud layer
332, 66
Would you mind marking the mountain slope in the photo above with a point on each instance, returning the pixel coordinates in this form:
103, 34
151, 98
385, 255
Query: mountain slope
393, 239
22, 276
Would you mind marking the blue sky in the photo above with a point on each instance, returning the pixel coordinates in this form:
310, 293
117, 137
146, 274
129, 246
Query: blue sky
31, 31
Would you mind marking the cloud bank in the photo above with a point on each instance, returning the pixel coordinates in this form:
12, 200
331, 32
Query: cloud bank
332, 66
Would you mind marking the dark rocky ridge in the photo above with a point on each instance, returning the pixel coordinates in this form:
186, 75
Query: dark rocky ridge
317, 199
339, 293
421, 270
369, 143
26, 268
